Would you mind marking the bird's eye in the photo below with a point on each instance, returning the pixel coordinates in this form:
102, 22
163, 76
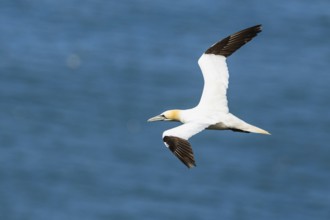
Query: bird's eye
163, 115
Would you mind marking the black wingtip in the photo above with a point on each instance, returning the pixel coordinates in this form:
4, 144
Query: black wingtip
181, 149
230, 44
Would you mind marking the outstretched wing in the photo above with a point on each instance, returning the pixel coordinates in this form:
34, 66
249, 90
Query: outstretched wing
176, 139
214, 68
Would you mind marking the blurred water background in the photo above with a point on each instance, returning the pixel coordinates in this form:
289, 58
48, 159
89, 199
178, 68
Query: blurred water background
79, 79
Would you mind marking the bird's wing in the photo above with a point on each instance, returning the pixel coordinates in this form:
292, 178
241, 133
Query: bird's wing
214, 68
176, 139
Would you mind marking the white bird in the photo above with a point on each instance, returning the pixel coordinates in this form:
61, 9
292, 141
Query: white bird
212, 111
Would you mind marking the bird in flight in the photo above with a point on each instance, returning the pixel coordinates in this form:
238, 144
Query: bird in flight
212, 110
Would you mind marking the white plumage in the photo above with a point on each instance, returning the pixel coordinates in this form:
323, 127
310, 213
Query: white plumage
215, 74
212, 111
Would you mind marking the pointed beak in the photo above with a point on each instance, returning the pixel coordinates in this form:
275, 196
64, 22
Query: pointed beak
157, 118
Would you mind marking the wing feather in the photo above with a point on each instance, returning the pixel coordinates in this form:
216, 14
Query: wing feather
230, 44
181, 148
215, 71
176, 139
215, 74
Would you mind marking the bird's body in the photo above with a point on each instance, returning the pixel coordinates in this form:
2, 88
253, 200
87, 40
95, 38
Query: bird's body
212, 112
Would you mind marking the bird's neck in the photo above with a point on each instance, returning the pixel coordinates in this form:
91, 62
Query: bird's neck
186, 115
182, 116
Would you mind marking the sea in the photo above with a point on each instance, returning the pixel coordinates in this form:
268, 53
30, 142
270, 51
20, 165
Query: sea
79, 79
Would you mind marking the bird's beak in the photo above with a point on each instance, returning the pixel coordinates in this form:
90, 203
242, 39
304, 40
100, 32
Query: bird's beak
157, 118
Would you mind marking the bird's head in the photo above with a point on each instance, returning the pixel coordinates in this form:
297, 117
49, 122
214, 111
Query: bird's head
170, 115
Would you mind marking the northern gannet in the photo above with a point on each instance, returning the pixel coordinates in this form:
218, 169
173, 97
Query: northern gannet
212, 111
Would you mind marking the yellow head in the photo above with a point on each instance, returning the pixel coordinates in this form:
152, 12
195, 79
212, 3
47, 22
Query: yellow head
170, 115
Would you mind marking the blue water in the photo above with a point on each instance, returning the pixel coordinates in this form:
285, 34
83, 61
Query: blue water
79, 79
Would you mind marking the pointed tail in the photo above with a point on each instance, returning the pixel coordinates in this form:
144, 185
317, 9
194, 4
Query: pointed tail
242, 126
254, 129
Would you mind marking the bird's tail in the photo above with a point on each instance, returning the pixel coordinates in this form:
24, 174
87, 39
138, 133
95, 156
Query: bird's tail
242, 126
254, 129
